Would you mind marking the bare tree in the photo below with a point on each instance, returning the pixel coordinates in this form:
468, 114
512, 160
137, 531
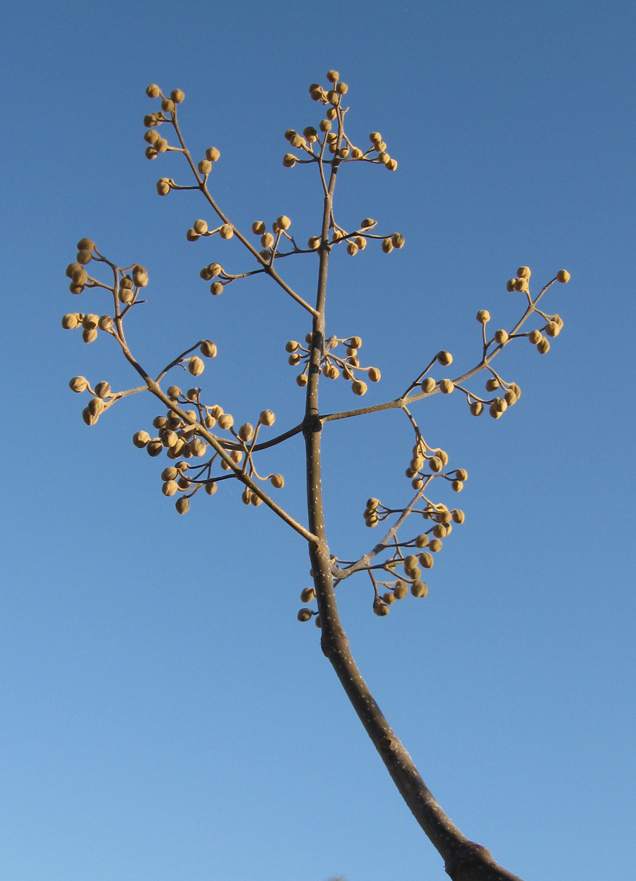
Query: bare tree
205, 446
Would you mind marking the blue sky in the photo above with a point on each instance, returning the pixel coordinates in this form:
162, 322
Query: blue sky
163, 714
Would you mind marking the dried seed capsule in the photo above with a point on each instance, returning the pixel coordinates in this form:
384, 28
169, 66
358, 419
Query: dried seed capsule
428, 385
141, 439
177, 96
291, 346
88, 417
79, 277
289, 160
170, 473
258, 227
492, 384
524, 272
342, 88
182, 505
352, 249
105, 323
476, 408
226, 421
563, 276
314, 243
226, 231
196, 366
374, 374
208, 349
543, 347
267, 417
419, 588
89, 336
388, 598
511, 285
198, 447
267, 240
483, 316
277, 481
552, 329
210, 487
359, 388
387, 246
445, 358
246, 432
102, 389
397, 239
535, 337
501, 337
435, 545
333, 76
302, 380
391, 165
154, 447
70, 320
400, 590
446, 386
216, 288
307, 595
170, 487
421, 541
212, 154
380, 608
305, 615
283, 222
205, 167
78, 384
153, 91
200, 227
139, 275
426, 560
73, 268
174, 392
167, 105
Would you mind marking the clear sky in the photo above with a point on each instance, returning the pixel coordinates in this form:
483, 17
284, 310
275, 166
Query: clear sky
163, 715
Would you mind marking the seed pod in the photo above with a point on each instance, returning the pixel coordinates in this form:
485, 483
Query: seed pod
78, 384
380, 608
543, 347
72, 268
153, 91
105, 323
307, 595
246, 432
410, 562
126, 296
314, 243
359, 388
70, 320
435, 545
391, 165
205, 167
139, 276
177, 96
501, 337
182, 505
535, 337
167, 105
88, 417
397, 239
302, 380
89, 336
102, 389
426, 560
445, 358
267, 240
208, 349
283, 222
198, 447
492, 384
311, 134
352, 249
552, 329
174, 392
400, 590
563, 276
524, 272
140, 439
183, 482
246, 496
212, 154
387, 246
226, 231
440, 530
170, 473
200, 227
226, 421
196, 366
483, 316
428, 385
277, 481
419, 589
216, 288
169, 488
289, 160
90, 321
476, 408
258, 227
510, 398
79, 277
192, 235
210, 487
305, 615
154, 447
511, 285
446, 387
267, 417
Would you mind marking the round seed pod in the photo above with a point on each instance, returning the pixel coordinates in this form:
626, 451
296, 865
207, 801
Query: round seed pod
200, 227
283, 222
76, 288
205, 167
139, 275
208, 349
212, 154
388, 598
445, 358
184, 483
105, 323
177, 96
246, 496
428, 385
435, 545
226, 421
435, 464
359, 388
246, 432
267, 240
316, 94
277, 481
492, 384
511, 285
169, 488
307, 595
170, 473
174, 392
167, 105
154, 447
90, 321
210, 487
304, 615
461, 474
73, 268
375, 138
291, 346
198, 447
352, 249
153, 91
410, 563
196, 366
501, 337
458, 515
216, 288
126, 296
524, 272
440, 530
476, 408
391, 165
70, 320
313, 243
289, 160
226, 231
141, 439
342, 88
421, 541
552, 329
182, 505
374, 374
398, 241
497, 407
89, 336
160, 145
562, 275
333, 76
102, 389
258, 227
543, 347
483, 316
302, 380
457, 486
79, 277
535, 337
381, 609
356, 153
446, 386
426, 560
419, 589
192, 235
310, 134
88, 417
510, 398
294, 359
267, 417
387, 246
78, 384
